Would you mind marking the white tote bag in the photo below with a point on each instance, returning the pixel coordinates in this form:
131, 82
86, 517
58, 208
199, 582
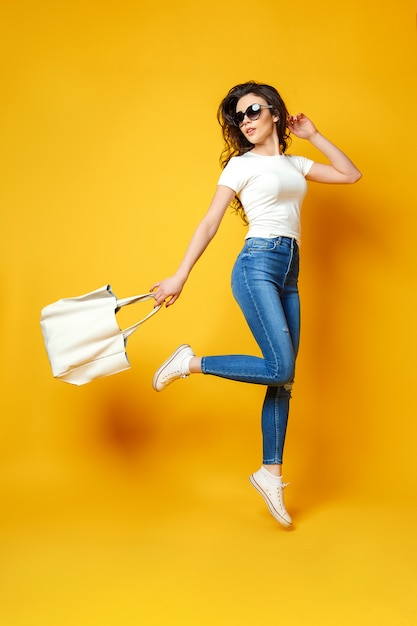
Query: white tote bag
82, 337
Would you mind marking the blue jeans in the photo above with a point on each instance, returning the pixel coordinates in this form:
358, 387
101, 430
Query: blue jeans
265, 285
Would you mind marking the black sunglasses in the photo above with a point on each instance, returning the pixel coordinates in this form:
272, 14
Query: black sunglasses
252, 113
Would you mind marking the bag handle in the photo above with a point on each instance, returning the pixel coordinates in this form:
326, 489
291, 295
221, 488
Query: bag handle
125, 301
130, 300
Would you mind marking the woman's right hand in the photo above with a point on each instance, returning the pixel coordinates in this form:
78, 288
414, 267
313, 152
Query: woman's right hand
168, 290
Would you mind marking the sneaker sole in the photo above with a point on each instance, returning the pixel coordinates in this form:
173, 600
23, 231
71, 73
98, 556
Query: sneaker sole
163, 366
271, 507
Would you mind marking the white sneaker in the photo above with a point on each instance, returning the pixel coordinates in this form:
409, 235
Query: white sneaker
273, 496
172, 368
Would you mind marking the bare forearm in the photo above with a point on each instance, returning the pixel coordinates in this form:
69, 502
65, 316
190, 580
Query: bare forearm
169, 290
337, 158
340, 168
201, 238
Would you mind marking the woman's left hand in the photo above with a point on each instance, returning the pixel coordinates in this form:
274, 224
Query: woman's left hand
301, 126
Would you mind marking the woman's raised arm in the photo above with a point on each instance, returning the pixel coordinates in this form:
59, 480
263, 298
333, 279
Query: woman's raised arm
340, 168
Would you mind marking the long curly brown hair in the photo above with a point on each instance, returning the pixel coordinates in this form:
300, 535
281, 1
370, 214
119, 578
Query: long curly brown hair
235, 142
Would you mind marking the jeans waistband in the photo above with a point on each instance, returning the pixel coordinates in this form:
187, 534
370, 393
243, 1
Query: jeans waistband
288, 242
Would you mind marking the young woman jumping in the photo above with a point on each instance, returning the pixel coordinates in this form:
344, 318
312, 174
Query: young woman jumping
268, 187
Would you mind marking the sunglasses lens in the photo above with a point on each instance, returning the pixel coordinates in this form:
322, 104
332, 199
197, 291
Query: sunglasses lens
254, 111
238, 118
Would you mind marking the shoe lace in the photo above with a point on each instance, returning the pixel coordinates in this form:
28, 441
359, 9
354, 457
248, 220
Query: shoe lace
279, 489
174, 374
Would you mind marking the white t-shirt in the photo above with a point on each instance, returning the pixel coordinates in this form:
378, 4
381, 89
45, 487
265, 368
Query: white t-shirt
271, 190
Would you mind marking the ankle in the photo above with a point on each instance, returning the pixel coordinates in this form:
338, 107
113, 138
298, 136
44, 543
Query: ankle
194, 365
274, 470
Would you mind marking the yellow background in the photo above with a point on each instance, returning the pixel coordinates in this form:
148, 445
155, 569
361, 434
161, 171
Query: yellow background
124, 507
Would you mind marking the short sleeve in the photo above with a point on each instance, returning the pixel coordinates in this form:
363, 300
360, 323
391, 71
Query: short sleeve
232, 176
302, 164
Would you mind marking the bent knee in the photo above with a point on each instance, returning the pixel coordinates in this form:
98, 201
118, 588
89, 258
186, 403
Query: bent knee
281, 371
284, 378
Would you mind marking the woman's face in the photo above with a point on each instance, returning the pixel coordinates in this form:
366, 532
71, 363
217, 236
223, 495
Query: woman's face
260, 130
